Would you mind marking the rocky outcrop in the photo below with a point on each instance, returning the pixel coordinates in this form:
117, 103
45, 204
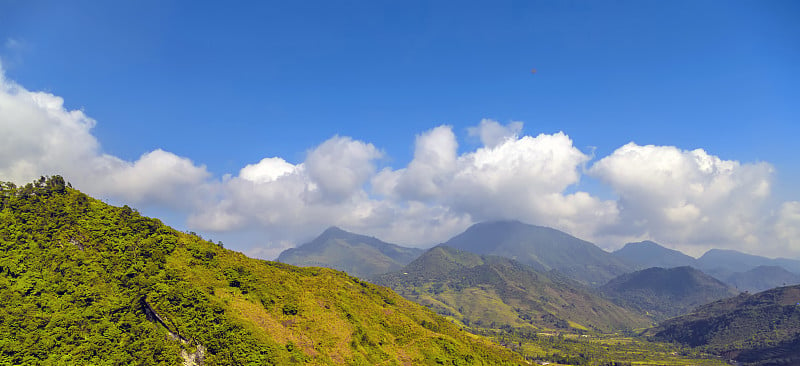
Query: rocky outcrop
194, 358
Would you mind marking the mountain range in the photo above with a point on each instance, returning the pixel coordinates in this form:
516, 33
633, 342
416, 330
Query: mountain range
544, 249
744, 272
493, 292
724, 262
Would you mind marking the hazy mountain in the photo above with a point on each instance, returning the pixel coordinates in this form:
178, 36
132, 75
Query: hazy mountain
759, 329
724, 262
358, 255
664, 293
743, 271
762, 278
85, 283
648, 254
542, 248
491, 291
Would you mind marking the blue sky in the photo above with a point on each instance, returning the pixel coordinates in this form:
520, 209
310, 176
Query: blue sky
225, 86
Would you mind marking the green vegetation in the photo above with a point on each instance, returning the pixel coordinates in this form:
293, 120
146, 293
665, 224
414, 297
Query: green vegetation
82, 282
494, 292
763, 328
596, 349
665, 293
358, 255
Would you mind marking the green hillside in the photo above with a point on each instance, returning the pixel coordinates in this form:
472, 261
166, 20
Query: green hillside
82, 282
542, 248
358, 255
496, 292
665, 293
761, 329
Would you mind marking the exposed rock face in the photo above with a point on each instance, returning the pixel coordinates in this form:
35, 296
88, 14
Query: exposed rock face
195, 358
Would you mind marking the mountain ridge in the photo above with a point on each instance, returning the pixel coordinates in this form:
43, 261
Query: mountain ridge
731, 261
648, 254
542, 248
359, 255
746, 272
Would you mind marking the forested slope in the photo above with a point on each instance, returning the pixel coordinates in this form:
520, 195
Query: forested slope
758, 329
663, 293
83, 282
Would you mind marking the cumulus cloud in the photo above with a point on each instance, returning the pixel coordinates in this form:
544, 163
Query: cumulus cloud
686, 197
510, 177
266, 170
787, 230
492, 133
432, 167
341, 166
285, 202
39, 136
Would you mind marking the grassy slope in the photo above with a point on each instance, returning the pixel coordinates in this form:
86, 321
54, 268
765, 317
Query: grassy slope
493, 292
75, 274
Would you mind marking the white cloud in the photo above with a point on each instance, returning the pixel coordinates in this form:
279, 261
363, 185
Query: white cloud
432, 167
685, 199
688, 198
787, 230
341, 166
158, 176
492, 133
266, 170
39, 136
511, 177
290, 200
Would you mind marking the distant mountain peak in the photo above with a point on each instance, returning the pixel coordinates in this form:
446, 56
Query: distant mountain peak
646, 244
541, 247
358, 255
334, 231
646, 254
728, 260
